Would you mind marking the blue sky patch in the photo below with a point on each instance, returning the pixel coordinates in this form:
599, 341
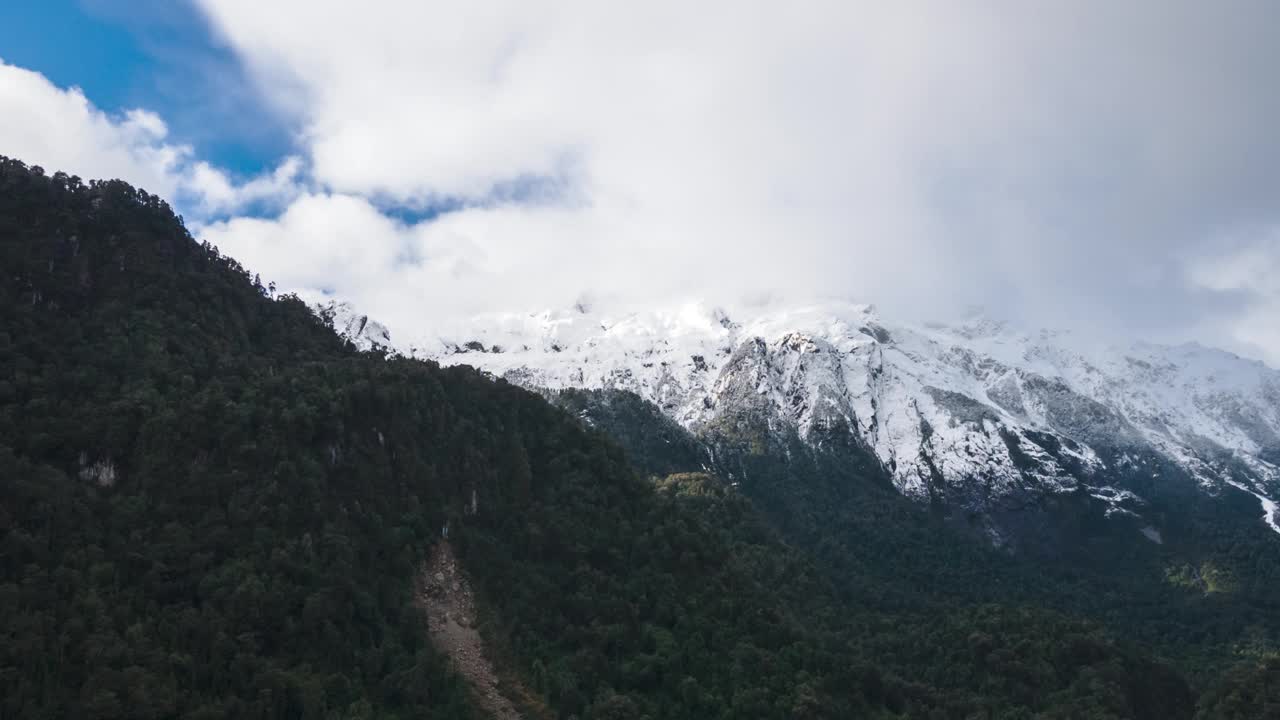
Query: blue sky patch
158, 55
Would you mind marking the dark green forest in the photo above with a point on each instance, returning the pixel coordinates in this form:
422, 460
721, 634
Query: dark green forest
211, 506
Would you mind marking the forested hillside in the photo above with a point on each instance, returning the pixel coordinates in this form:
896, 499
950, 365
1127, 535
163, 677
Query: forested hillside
212, 507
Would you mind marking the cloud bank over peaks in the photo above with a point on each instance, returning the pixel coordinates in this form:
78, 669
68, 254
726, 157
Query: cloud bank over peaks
1090, 165
1245, 269
1056, 163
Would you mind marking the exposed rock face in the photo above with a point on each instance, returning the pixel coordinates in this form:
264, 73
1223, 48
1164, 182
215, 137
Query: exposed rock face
101, 472
445, 596
973, 412
364, 333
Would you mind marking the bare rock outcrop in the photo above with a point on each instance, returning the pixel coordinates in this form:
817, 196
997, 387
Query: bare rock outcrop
445, 596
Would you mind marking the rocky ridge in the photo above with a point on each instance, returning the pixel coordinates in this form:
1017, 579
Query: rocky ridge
974, 413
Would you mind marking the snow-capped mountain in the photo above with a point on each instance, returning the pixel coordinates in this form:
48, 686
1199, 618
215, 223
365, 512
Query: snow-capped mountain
973, 411
364, 333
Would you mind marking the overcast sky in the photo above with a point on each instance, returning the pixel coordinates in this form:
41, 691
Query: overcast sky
1105, 166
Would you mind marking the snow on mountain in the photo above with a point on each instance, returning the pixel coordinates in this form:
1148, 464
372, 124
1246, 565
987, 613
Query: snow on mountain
973, 410
364, 333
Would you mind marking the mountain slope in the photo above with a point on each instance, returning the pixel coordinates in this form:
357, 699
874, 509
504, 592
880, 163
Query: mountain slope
212, 507
975, 415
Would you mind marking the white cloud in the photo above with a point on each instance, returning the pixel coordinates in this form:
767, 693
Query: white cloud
321, 241
341, 244
1056, 162
216, 193
60, 129
1048, 160
1245, 271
